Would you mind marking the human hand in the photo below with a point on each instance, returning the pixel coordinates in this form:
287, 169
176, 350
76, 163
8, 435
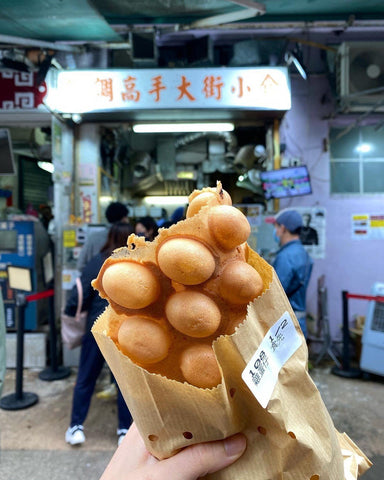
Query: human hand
132, 461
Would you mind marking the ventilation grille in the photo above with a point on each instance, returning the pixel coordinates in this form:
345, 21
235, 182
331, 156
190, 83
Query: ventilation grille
360, 76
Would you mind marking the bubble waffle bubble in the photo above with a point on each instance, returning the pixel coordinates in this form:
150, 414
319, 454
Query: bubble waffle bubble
171, 298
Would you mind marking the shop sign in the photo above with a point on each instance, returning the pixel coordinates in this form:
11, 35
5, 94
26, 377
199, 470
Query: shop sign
259, 88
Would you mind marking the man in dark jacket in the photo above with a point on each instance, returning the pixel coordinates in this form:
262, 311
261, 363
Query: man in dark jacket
292, 264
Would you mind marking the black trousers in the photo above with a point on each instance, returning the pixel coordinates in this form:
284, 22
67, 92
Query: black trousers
90, 366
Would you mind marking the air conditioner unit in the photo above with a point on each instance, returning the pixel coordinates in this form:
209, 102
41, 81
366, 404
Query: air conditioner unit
360, 76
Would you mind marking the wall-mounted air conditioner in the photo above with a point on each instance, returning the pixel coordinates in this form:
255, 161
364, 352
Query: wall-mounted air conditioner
360, 76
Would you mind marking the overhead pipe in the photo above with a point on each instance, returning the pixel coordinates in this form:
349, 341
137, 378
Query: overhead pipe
293, 25
229, 138
31, 42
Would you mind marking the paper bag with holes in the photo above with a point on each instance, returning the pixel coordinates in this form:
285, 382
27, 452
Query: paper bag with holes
265, 392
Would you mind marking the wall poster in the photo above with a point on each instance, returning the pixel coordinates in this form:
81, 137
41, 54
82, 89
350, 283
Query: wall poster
313, 232
367, 226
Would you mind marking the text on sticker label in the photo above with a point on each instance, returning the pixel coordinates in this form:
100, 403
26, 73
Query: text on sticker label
262, 371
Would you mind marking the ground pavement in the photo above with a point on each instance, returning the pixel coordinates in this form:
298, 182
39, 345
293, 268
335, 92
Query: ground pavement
32, 445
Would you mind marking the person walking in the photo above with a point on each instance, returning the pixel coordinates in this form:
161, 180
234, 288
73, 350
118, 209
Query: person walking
91, 358
292, 264
115, 212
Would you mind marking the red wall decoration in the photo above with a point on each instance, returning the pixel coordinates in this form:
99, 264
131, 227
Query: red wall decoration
19, 90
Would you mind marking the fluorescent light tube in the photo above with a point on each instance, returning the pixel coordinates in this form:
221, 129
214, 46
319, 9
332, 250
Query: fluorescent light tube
166, 200
182, 127
47, 166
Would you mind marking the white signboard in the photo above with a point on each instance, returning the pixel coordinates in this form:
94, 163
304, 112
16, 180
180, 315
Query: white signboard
259, 88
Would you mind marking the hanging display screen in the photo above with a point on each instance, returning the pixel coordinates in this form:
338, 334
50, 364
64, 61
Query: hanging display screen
286, 182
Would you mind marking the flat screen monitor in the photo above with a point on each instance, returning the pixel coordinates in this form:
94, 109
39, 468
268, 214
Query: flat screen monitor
286, 182
8, 241
7, 164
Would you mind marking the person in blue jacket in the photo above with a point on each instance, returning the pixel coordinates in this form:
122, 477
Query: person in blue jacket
91, 358
292, 264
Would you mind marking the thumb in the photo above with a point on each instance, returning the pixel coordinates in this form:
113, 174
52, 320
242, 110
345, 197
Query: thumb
198, 460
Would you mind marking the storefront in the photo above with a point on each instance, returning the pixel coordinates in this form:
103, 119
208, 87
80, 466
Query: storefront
148, 137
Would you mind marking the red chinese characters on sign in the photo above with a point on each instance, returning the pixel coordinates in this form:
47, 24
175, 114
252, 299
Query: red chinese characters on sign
183, 89
19, 90
105, 88
130, 94
268, 84
212, 87
240, 88
158, 86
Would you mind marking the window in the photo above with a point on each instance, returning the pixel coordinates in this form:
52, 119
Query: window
357, 160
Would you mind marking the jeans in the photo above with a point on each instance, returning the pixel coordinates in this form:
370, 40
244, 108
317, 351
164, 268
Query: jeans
90, 366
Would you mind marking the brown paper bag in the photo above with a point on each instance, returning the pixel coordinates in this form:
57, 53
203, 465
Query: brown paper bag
292, 438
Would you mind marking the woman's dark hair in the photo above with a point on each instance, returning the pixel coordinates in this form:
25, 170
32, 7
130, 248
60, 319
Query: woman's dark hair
117, 237
150, 224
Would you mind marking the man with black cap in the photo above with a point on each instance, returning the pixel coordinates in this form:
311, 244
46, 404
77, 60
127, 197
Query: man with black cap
115, 212
292, 264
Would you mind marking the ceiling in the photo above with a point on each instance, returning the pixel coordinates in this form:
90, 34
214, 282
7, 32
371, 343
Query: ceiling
69, 34
86, 22
183, 33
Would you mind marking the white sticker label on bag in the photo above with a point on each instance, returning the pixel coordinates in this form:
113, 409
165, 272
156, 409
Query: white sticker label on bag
262, 371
